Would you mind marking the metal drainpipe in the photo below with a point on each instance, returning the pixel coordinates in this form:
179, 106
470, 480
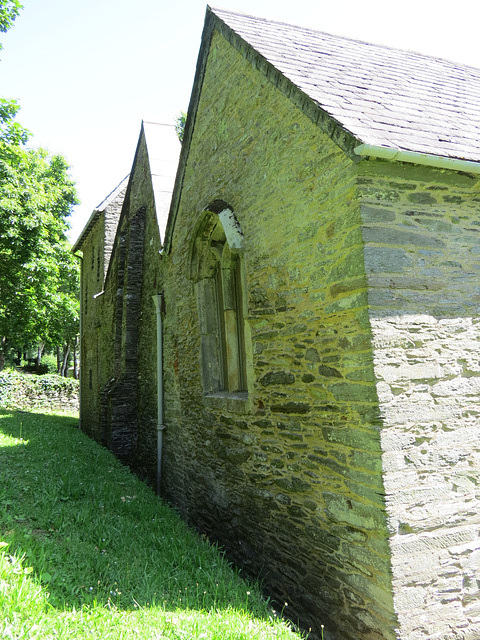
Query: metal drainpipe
158, 300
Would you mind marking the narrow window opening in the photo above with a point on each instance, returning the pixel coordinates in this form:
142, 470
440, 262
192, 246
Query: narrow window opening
218, 270
239, 298
222, 347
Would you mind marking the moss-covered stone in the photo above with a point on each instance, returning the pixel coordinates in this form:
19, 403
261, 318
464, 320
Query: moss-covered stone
277, 378
329, 372
291, 407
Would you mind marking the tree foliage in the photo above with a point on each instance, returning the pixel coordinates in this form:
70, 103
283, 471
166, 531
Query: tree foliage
180, 125
38, 274
39, 277
11, 132
9, 10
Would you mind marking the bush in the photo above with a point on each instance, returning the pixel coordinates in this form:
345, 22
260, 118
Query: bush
48, 364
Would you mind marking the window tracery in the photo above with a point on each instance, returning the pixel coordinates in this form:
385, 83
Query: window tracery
216, 267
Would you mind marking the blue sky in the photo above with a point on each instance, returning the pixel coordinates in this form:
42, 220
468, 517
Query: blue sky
86, 72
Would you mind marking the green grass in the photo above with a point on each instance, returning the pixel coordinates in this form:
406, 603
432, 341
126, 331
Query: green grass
88, 551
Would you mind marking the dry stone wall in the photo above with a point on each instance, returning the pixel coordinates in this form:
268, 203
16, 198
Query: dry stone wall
50, 392
422, 255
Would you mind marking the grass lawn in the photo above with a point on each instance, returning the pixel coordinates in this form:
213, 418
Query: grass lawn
88, 551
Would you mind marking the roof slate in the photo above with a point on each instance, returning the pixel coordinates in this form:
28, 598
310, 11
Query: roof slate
118, 192
382, 96
163, 147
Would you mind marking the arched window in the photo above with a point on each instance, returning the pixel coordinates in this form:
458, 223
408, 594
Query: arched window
217, 268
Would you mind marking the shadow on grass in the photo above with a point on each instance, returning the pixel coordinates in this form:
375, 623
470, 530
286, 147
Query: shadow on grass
94, 534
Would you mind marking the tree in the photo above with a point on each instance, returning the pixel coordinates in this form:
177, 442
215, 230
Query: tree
37, 270
180, 125
9, 10
64, 320
39, 278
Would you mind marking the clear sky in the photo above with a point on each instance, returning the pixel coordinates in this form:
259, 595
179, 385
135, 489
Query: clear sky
86, 72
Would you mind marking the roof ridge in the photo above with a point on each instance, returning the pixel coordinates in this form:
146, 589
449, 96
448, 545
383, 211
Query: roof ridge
161, 124
218, 11
113, 194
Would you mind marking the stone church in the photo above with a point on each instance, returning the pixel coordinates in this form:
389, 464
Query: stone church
280, 324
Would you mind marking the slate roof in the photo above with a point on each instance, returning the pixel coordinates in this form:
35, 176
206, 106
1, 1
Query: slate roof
112, 195
99, 210
382, 96
163, 148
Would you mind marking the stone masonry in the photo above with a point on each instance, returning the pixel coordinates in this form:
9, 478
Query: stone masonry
422, 257
300, 459
119, 409
96, 244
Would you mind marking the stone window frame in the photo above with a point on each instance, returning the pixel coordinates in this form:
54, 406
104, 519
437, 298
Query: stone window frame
217, 269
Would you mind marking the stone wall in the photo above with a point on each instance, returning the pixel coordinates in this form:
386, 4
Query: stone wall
92, 276
289, 480
141, 196
96, 250
127, 339
49, 392
422, 254
353, 459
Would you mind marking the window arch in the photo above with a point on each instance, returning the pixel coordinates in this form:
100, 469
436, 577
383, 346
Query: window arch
217, 268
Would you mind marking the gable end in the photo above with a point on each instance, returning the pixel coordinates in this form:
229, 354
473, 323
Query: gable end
326, 123
311, 108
